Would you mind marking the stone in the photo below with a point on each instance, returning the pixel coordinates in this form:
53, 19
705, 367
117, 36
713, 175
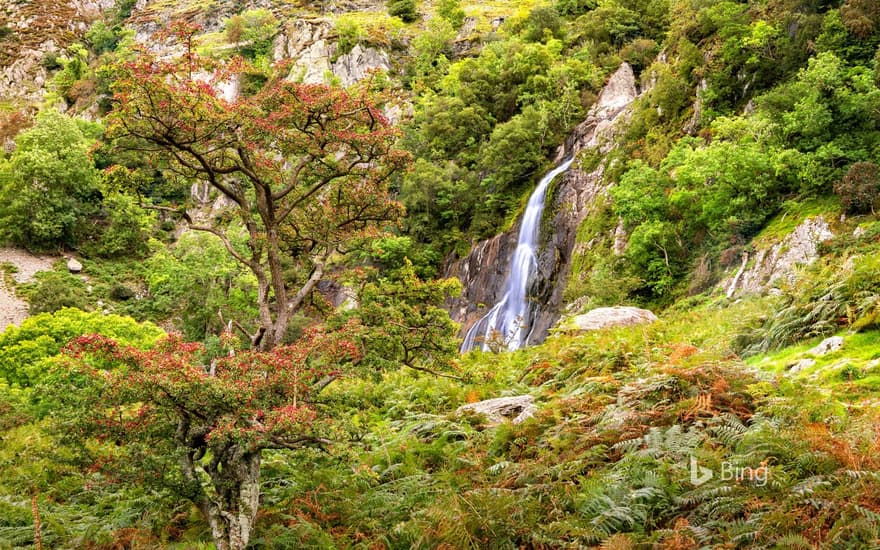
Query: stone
516, 409
73, 265
604, 317
801, 365
357, 64
828, 345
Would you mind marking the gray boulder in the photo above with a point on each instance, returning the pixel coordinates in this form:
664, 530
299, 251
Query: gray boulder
73, 265
516, 409
828, 345
604, 317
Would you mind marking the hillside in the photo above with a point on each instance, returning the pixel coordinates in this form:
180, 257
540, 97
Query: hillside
296, 275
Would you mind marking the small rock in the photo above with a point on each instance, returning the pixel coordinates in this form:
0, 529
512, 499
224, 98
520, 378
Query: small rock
604, 317
74, 266
516, 409
859, 231
801, 365
828, 345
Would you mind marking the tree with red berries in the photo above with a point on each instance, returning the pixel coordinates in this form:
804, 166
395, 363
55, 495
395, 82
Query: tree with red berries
175, 418
305, 167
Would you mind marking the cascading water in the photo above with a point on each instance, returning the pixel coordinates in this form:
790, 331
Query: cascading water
507, 322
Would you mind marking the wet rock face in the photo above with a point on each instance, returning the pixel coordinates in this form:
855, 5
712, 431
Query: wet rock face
597, 129
483, 272
763, 269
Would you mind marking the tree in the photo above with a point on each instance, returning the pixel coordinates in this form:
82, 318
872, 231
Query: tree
305, 166
49, 186
404, 9
860, 188
197, 425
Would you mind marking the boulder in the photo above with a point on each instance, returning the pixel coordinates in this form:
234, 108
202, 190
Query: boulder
516, 409
74, 266
604, 317
828, 345
801, 365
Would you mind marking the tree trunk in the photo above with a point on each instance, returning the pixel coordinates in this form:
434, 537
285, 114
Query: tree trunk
237, 484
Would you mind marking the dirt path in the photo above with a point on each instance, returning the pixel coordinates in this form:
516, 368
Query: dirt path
12, 309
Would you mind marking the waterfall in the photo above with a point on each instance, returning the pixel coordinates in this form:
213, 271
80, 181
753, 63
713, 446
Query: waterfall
508, 321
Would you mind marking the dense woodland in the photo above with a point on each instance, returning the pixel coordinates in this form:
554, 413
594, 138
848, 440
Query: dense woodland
200, 385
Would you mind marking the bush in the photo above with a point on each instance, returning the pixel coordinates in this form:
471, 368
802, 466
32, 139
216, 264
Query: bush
404, 9
25, 349
101, 37
350, 33
255, 29
860, 188
54, 290
451, 11
49, 187
121, 293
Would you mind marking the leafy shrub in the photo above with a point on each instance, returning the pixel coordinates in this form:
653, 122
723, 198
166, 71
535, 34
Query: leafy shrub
451, 11
543, 22
350, 33
860, 188
49, 186
121, 292
24, 349
126, 228
54, 290
101, 37
254, 29
404, 9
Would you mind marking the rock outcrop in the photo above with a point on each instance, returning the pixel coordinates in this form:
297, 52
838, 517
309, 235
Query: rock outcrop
762, 270
311, 44
516, 409
483, 272
33, 31
828, 345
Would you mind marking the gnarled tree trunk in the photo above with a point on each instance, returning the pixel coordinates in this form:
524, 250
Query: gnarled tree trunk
236, 479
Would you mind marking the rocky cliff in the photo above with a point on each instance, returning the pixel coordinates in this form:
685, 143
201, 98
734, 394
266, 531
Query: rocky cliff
483, 271
29, 31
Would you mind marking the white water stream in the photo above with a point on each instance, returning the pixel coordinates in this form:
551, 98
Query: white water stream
507, 323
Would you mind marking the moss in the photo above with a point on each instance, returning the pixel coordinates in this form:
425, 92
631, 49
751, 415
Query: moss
793, 214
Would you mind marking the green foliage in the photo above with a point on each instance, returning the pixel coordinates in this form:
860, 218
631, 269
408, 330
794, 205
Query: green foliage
193, 282
125, 228
542, 24
102, 38
404, 9
451, 11
484, 131
253, 30
49, 186
54, 290
405, 322
26, 352
350, 33
860, 188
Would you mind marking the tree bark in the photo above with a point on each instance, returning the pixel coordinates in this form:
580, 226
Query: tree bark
231, 514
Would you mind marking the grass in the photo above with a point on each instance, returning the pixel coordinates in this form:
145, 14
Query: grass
793, 214
851, 373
